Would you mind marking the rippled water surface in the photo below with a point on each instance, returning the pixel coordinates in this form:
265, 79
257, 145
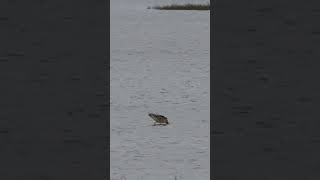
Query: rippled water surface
159, 63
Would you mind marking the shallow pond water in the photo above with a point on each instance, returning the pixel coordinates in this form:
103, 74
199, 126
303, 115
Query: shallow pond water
159, 64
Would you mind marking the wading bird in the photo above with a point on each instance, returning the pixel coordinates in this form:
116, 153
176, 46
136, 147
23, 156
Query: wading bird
159, 119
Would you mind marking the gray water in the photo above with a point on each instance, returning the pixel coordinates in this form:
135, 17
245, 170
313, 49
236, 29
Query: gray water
160, 64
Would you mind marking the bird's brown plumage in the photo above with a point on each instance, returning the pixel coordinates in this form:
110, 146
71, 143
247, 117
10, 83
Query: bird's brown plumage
159, 119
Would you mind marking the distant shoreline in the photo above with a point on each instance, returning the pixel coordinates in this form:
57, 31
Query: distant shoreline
199, 7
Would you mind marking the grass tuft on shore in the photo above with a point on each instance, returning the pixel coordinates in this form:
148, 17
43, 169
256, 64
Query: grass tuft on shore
183, 7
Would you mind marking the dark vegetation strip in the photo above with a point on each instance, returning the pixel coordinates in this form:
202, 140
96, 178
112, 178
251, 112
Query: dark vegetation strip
183, 7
